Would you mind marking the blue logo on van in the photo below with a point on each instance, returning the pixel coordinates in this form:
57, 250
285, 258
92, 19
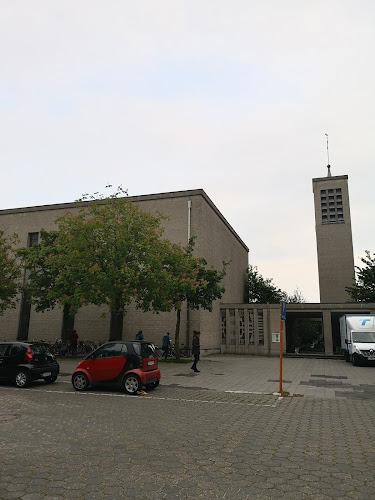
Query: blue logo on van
364, 321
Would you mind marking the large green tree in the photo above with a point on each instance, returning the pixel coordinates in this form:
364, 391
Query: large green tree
106, 252
110, 252
43, 268
10, 272
185, 277
261, 290
364, 288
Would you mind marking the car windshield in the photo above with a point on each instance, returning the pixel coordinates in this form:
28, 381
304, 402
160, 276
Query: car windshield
363, 336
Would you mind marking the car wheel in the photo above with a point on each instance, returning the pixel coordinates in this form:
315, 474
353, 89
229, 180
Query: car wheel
80, 381
22, 379
131, 384
50, 380
153, 385
355, 361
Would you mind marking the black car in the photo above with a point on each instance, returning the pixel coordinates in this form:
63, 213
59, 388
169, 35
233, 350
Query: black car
23, 362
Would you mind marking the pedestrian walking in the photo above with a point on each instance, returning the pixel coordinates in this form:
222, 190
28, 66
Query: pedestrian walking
139, 335
73, 342
196, 349
165, 345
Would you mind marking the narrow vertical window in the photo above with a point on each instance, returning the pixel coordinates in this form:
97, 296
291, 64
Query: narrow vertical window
232, 326
251, 326
241, 318
260, 328
223, 314
24, 320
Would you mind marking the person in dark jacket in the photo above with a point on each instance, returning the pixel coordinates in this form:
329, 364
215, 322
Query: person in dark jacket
139, 335
196, 349
73, 342
166, 344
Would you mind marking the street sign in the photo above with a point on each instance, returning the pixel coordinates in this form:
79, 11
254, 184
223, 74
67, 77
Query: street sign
283, 310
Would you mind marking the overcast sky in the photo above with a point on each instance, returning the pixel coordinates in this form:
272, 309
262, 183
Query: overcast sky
234, 97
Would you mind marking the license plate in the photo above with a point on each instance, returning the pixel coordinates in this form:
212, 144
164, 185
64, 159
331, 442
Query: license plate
150, 363
46, 374
371, 358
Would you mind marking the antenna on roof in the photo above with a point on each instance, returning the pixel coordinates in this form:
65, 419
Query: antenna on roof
328, 165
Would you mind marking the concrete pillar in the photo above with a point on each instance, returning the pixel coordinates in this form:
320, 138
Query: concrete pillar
327, 329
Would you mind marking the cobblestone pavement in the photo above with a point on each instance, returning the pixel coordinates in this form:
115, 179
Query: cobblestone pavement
190, 438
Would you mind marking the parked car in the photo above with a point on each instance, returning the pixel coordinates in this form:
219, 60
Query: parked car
129, 365
23, 362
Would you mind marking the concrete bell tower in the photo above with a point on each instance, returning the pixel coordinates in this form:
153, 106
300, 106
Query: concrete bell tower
333, 237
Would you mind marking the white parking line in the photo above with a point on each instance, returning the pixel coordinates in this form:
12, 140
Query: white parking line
248, 392
116, 395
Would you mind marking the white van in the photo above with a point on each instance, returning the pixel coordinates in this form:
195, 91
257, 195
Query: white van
358, 338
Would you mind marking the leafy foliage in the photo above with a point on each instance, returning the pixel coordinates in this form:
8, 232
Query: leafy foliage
180, 277
44, 289
10, 272
42, 271
110, 252
364, 287
295, 298
261, 290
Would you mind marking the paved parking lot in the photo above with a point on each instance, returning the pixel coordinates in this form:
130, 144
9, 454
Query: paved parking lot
220, 433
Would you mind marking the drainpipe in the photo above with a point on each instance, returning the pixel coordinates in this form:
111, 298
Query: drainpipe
187, 306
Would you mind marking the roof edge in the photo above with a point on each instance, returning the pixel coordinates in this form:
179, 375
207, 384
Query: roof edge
137, 198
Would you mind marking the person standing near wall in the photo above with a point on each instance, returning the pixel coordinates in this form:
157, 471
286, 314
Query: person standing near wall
196, 349
165, 346
139, 335
73, 342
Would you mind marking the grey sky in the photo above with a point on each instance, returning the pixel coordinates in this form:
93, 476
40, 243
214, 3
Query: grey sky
232, 97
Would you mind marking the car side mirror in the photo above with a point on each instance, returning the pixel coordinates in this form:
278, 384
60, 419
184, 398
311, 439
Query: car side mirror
347, 342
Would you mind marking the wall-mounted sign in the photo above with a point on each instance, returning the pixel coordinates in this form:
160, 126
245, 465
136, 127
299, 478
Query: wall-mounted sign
276, 337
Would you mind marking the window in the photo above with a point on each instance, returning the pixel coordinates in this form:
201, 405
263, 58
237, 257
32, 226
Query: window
148, 350
223, 315
109, 351
3, 349
15, 350
260, 328
25, 311
251, 327
32, 239
241, 318
232, 326
334, 205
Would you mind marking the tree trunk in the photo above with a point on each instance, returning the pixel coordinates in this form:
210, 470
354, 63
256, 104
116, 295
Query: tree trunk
67, 323
177, 335
117, 321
